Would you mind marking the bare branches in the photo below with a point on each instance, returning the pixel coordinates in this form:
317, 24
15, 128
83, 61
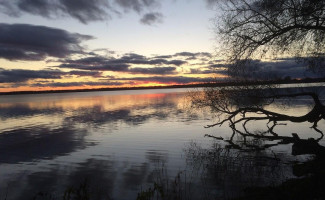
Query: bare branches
252, 28
236, 108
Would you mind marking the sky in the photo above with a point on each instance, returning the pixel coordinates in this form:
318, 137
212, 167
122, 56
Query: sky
69, 44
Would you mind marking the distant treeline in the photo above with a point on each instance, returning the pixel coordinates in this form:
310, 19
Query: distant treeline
210, 84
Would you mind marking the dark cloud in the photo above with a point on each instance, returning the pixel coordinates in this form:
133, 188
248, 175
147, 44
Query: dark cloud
285, 68
163, 56
187, 54
29, 42
98, 67
155, 70
204, 56
84, 11
152, 18
190, 54
264, 70
139, 59
71, 84
22, 75
170, 79
85, 73
217, 65
176, 62
121, 64
208, 71
137, 5
211, 2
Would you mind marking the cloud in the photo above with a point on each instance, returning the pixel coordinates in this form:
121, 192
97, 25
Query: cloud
98, 67
120, 64
155, 70
137, 5
29, 42
217, 65
163, 56
203, 56
285, 68
176, 62
169, 79
84, 11
190, 54
132, 58
22, 75
279, 68
86, 73
152, 18
208, 71
211, 2
71, 84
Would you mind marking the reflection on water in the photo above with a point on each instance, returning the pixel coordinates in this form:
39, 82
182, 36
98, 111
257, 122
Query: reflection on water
117, 141
226, 172
49, 142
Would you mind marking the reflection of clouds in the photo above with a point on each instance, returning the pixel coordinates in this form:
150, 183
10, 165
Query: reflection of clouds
133, 114
105, 180
78, 114
29, 144
37, 182
98, 174
96, 116
155, 156
23, 110
12, 106
135, 176
93, 110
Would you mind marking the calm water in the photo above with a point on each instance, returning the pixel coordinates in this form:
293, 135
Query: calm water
116, 141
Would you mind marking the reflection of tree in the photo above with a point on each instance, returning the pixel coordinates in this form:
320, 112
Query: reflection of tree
225, 173
240, 106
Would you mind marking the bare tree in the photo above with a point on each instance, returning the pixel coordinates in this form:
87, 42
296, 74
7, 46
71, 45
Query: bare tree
250, 29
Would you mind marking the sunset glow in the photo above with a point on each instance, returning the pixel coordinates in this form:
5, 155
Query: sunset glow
145, 45
87, 46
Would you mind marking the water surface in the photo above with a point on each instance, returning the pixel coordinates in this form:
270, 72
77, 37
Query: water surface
114, 140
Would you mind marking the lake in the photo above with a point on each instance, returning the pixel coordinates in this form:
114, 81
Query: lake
120, 143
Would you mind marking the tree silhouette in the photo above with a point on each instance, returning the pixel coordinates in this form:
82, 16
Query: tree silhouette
250, 29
